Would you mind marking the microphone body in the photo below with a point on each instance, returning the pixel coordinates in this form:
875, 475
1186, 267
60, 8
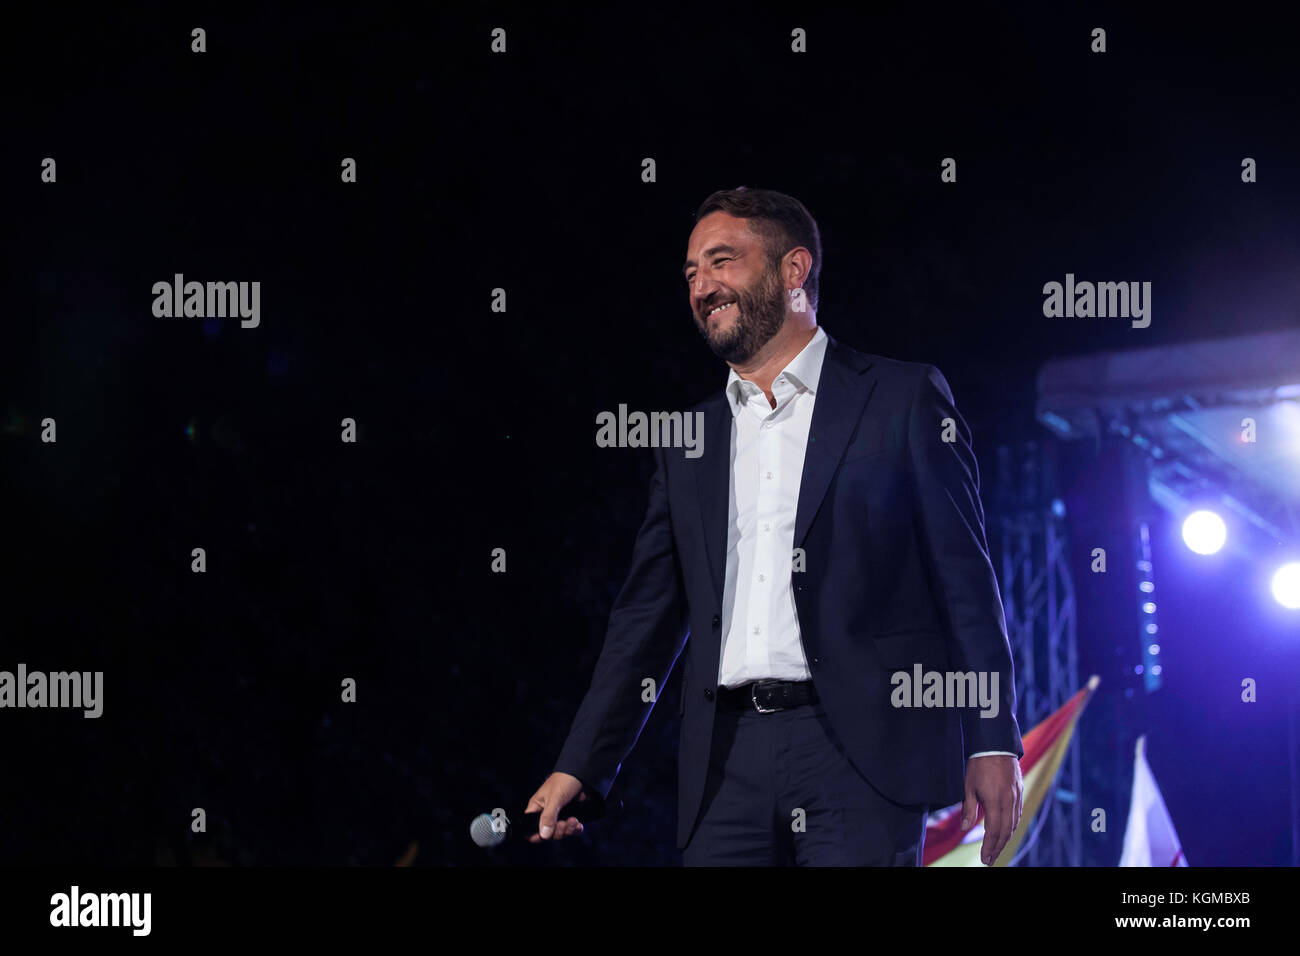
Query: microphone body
493, 829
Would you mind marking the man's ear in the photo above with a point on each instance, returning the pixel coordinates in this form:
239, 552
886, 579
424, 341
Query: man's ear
798, 265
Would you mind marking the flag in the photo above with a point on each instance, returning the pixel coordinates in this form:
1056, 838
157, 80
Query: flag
1149, 838
1045, 748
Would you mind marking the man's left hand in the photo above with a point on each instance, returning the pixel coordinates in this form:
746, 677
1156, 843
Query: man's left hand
993, 782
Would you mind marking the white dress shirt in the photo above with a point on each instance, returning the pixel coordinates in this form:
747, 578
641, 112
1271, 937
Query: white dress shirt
760, 624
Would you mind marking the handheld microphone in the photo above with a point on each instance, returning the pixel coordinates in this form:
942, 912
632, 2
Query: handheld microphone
492, 829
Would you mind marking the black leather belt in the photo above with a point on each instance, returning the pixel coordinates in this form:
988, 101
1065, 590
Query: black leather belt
767, 696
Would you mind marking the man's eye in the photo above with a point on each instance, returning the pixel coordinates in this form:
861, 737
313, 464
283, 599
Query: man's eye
691, 277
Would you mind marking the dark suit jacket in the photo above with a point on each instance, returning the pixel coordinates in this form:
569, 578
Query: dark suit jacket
897, 573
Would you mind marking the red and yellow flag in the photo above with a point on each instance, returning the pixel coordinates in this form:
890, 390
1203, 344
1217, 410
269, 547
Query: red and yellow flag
1045, 748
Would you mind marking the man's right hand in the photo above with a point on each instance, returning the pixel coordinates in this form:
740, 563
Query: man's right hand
551, 797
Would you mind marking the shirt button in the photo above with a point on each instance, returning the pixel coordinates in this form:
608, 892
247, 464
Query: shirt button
762, 577
768, 476
757, 629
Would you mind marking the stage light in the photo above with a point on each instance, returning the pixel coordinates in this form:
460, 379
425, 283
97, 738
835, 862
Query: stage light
1146, 611
1204, 532
1286, 585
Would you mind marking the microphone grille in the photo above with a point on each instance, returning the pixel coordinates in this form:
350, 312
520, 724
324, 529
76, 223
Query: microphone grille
483, 834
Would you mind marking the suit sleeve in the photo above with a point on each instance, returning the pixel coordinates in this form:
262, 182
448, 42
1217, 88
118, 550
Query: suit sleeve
946, 479
646, 632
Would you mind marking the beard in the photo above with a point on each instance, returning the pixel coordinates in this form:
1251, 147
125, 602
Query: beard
760, 313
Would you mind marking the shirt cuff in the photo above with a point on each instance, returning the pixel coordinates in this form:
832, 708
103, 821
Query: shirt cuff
987, 753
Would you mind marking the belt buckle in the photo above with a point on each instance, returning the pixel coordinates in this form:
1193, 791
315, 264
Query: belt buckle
753, 696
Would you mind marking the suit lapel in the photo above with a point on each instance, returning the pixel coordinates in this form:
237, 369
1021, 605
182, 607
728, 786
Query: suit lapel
713, 477
842, 393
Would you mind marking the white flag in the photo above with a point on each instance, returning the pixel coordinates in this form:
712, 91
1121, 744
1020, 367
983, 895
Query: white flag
1150, 838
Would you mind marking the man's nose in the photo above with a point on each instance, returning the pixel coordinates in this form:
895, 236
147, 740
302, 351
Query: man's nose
702, 288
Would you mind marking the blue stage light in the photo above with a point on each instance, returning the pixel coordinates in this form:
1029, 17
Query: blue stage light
1204, 532
1286, 585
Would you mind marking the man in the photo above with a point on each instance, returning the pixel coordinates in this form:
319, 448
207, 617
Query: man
829, 537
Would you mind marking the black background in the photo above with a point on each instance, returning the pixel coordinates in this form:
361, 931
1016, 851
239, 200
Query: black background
523, 171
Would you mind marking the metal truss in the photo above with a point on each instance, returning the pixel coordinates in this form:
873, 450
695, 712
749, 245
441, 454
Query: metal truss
1038, 598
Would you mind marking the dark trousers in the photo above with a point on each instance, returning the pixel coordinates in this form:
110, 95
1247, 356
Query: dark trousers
781, 792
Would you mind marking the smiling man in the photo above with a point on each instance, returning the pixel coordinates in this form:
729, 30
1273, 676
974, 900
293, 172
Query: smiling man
830, 535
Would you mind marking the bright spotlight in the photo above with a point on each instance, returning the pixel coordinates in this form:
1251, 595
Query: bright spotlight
1204, 532
1286, 585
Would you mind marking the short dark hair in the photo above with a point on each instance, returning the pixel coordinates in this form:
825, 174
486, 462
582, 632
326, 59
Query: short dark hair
781, 220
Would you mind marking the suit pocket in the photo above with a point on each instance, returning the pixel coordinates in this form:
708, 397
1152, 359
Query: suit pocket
863, 454
901, 650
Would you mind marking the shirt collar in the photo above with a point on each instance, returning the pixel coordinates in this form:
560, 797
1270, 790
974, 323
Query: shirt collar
804, 370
